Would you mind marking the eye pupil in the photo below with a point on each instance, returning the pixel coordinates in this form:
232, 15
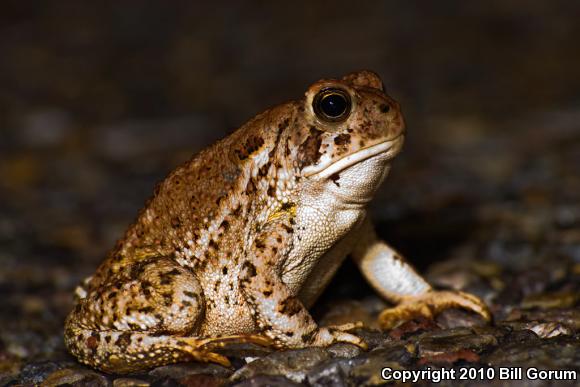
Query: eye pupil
332, 105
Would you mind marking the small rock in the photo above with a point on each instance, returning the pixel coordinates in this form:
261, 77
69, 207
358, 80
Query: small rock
267, 381
130, 382
35, 373
374, 338
453, 340
292, 364
525, 349
543, 329
454, 318
184, 370
75, 377
569, 317
448, 358
344, 350
333, 372
551, 300
412, 327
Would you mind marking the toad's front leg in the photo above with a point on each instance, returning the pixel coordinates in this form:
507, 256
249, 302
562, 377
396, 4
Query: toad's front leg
395, 280
281, 315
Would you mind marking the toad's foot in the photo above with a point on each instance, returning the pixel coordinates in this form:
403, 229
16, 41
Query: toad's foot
429, 304
203, 349
348, 327
326, 336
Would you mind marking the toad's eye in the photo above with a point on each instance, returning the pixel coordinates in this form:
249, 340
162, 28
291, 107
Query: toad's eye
332, 105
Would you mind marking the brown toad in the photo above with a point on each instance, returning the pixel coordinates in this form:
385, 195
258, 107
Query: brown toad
238, 242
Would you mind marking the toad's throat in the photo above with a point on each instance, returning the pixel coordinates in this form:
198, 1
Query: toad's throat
389, 148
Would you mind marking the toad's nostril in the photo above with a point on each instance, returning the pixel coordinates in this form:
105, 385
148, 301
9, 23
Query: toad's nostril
384, 108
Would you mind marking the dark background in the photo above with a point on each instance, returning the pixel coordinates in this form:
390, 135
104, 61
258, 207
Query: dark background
99, 100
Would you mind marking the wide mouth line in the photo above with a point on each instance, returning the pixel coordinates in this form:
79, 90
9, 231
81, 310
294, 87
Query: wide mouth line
359, 156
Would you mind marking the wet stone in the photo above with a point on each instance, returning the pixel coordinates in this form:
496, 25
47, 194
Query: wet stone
184, 370
267, 381
75, 377
292, 364
551, 300
454, 318
332, 372
542, 329
35, 373
453, 340
532, 351
344, 350
130, 382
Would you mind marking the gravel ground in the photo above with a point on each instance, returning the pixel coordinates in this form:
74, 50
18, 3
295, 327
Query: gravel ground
100, 102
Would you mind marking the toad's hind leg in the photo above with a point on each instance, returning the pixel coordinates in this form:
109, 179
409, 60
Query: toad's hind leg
142, 317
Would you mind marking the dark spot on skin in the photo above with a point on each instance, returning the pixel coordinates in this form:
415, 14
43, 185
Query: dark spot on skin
260, 244
286, 206
309, 150
137, 269
267, 293
284, 124
224, 270
250, 269
271, 191
335, 177
227, 299
189, 294
263, 171
289, 334
252, 144
112, 294
107, 339
213, 245
251, 187
186, 303
290, 306
167, 299
124, 340
307, 337
225, 225
342, 139
384, 108
362, 143
175, 222
288, 229
92, 343
173, 272
146, 309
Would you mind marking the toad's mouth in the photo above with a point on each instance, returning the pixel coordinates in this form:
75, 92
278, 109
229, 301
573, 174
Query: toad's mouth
388, 149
